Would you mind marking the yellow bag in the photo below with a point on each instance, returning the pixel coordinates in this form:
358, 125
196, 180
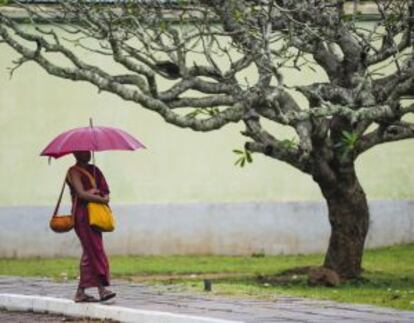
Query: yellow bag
100, 215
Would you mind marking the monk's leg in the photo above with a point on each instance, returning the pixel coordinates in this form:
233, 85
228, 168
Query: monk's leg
94, 268
94, 265
87, 273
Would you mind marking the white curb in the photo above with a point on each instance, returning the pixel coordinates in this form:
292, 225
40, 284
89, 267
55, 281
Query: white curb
41, 304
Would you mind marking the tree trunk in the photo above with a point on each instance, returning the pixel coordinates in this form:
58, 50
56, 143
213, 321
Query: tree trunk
349, 219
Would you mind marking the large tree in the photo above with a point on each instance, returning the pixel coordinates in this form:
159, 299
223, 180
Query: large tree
356, 108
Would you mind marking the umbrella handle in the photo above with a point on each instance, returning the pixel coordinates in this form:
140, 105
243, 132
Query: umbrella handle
93, 153
93, 162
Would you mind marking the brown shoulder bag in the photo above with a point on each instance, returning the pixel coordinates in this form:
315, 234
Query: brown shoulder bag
62, 223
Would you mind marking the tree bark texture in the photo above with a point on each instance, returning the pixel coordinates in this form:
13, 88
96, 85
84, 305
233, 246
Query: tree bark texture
349, 219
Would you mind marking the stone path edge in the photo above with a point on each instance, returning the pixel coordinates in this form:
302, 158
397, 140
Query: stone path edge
41, 304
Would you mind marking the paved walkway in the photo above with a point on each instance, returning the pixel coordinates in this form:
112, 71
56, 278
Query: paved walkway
280, 309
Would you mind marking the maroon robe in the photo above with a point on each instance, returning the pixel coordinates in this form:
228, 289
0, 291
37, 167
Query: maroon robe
94, 266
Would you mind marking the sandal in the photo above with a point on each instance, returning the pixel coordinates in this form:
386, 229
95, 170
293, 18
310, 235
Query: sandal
107, 294
85, 298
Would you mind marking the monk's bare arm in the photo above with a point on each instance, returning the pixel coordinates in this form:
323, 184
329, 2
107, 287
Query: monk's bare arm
75, 178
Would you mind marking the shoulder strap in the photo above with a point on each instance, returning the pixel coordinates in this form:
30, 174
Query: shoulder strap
55, 212
85, 172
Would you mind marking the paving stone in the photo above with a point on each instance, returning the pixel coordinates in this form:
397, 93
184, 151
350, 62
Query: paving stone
279, 309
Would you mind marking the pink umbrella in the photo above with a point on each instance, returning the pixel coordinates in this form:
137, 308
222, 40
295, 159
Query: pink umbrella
91, 139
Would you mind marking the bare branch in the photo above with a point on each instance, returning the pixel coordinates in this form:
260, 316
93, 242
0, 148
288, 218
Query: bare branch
385, 133
169, 59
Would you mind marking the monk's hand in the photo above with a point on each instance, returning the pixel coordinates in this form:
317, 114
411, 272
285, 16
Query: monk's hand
93, 191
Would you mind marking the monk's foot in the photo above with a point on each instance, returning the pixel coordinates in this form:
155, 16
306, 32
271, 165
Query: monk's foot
106, 294
84, 298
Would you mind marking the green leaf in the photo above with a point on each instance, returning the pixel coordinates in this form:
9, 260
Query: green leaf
237, 15
289, 143
213, 111
249, 156
245, 156
391, 19
163, 26
194, 113
238, 160
349, 139
347, 135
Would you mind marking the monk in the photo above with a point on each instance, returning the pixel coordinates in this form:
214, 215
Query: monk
94, 265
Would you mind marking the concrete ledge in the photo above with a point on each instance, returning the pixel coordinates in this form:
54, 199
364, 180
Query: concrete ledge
40, 304
204, 229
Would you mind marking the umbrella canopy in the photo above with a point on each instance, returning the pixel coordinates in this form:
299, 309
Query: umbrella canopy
91, 139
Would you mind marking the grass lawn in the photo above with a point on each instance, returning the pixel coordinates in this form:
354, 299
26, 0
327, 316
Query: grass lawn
388, 278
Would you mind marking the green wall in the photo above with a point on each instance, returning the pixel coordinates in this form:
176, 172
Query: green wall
179, 166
